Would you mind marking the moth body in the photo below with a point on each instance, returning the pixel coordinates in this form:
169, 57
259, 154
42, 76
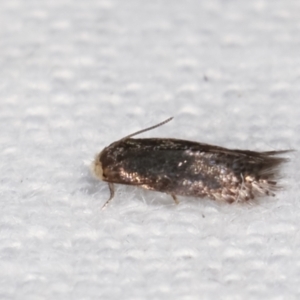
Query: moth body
187, 168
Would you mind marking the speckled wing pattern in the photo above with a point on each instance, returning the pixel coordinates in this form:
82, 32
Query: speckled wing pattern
180, 167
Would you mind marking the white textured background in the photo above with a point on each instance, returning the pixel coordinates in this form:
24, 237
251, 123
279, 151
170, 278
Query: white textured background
77, 75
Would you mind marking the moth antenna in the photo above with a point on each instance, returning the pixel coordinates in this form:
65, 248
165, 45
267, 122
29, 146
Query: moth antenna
147, 129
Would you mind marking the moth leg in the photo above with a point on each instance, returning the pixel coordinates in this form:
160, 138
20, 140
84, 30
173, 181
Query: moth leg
175, 198
240, 189
112, 194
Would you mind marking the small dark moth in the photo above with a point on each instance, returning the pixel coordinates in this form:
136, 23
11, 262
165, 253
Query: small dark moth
186, 168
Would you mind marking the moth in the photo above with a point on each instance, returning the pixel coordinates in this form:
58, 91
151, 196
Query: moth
187, 168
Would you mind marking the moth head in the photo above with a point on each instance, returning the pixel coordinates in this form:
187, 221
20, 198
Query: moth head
97, 167
101, 165
105, 166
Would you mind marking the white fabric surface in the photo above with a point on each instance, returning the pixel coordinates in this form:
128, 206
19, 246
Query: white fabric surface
76, 76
